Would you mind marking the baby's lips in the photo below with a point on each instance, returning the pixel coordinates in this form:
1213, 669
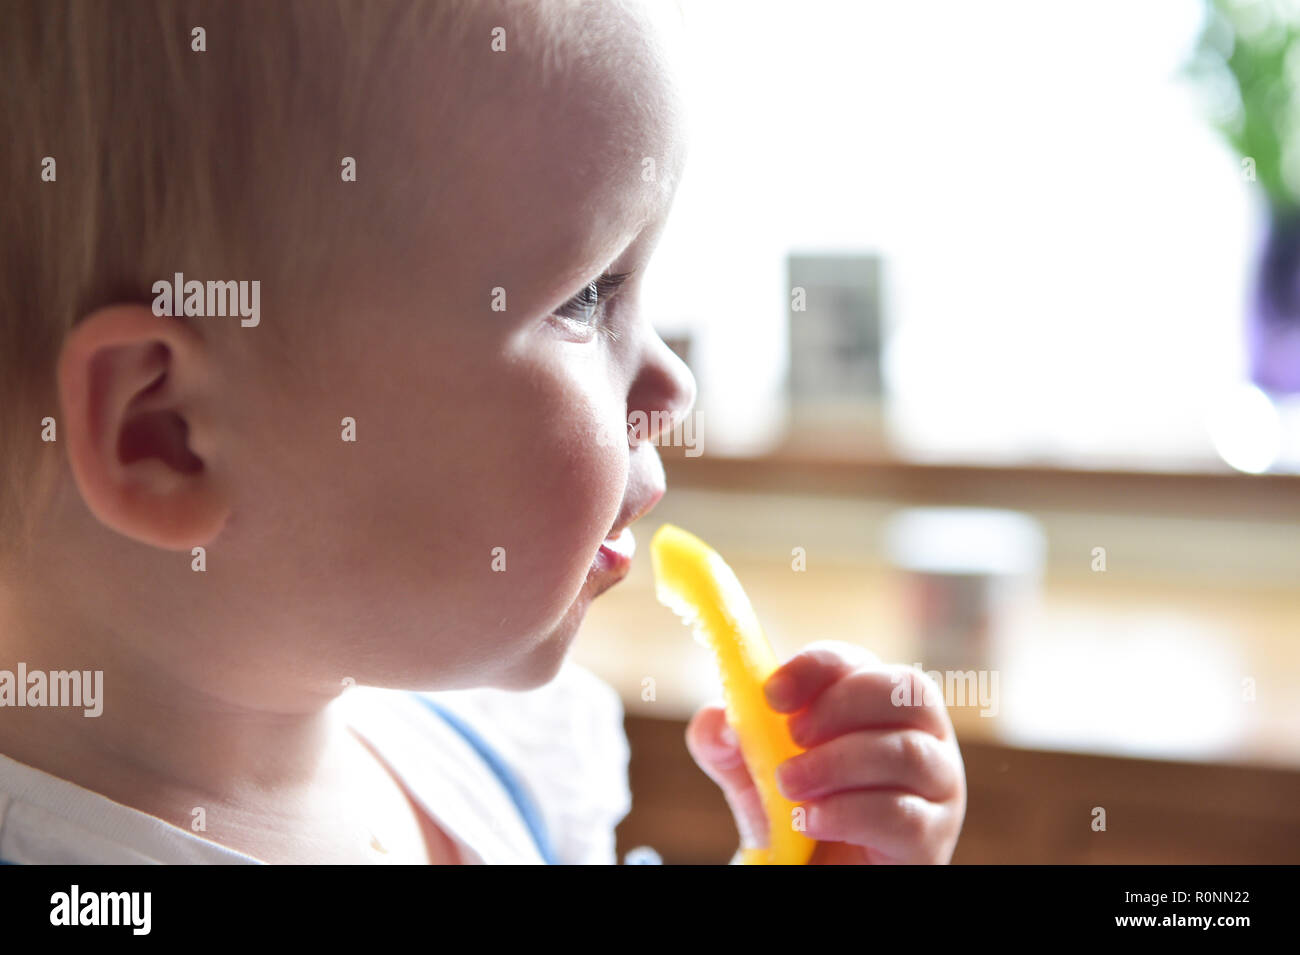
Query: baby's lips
623, 543
634, 510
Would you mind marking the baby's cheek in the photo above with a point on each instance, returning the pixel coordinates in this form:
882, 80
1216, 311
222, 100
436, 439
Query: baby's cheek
565, 490
584, 501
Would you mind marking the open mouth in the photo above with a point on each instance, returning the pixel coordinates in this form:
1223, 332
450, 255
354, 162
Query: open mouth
622, 544
614, 558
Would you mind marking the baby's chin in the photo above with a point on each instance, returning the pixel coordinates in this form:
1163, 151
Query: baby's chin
541, 665
550, 654
521, 659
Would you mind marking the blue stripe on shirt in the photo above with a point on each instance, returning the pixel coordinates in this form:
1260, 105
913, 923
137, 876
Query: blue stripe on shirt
527, 809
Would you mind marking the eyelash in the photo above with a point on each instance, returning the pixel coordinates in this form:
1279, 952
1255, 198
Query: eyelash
606, 285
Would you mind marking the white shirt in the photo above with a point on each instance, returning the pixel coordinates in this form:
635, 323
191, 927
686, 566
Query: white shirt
563, 741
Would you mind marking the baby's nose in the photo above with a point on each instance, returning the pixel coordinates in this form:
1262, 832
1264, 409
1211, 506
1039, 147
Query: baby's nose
664, 391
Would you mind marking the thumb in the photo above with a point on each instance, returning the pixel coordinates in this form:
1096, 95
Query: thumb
718, 754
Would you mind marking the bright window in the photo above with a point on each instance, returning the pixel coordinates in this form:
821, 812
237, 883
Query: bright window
1065, 243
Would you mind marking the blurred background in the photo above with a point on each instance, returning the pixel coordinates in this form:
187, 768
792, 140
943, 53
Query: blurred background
995, 313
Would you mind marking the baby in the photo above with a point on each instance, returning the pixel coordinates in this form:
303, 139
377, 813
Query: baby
328, 564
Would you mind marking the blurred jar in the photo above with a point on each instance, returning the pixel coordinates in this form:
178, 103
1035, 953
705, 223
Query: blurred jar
970, 577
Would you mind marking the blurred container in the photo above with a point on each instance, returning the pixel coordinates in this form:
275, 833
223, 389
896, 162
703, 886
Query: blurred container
970, 578
1273, 324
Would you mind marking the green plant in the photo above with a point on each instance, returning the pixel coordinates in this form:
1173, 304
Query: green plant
1247, 61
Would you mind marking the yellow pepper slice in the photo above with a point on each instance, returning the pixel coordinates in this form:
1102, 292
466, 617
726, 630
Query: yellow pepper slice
693, 581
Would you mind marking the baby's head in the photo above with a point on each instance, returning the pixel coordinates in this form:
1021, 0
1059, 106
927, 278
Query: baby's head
401, 474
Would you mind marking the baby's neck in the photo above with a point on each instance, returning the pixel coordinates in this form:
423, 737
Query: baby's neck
157, 745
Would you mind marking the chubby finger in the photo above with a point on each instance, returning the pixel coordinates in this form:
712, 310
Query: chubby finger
904, 759
877, 697
723, 762
810, 671
896, 827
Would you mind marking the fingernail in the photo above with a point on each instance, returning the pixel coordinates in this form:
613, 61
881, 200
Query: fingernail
778, 690
787, 779
728, 736
795, 726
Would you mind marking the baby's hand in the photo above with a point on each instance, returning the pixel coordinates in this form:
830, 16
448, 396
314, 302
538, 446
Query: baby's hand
880, 783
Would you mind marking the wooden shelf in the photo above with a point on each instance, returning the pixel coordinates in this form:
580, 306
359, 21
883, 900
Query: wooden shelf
1225, 494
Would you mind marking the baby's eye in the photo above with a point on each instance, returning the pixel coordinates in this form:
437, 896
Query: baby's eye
587, 306
583, 307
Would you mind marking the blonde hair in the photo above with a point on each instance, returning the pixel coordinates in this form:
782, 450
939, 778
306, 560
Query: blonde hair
222, 163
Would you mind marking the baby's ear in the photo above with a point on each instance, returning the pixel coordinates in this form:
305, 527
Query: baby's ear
131, 384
